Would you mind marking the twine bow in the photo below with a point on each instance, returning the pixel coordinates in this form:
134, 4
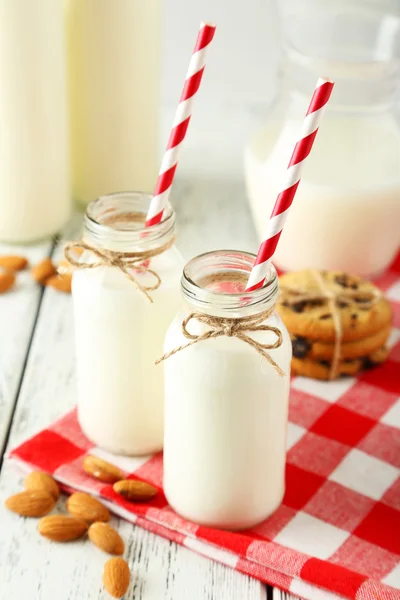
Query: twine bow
128, 263
219, 326
292, 295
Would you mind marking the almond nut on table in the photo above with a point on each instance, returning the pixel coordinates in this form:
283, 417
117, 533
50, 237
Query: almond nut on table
39, 481
86, 507
116, 577
13, 263
106, 538
43, 270
101, 469
135, 491
61, 283
60, 528
7, 280
32, 503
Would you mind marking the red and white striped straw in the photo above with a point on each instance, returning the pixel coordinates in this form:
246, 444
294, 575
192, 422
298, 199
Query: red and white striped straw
180, 125
284, 200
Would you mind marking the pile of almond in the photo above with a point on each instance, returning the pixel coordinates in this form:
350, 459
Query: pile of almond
45, 273
87, 515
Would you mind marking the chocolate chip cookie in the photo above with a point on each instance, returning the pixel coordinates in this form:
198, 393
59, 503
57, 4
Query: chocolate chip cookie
321, 369
317, 350
308, 299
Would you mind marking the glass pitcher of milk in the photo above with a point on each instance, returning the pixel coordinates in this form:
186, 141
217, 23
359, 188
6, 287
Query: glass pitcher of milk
119, 332
226, 403
346, 213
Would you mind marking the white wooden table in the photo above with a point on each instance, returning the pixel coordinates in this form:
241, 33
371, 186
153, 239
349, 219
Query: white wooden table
37, 385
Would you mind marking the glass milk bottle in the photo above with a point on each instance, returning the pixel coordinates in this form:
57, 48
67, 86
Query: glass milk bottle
226, 405
34, 172
119, 332
114, 74
346, 212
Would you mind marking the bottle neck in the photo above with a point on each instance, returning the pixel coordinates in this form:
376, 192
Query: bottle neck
214, 284
116, 222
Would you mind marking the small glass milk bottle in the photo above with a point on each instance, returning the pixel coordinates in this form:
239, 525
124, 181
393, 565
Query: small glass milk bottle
226, 399
119, 331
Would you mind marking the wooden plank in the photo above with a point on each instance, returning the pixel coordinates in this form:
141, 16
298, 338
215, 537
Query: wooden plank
31, 565
18, 312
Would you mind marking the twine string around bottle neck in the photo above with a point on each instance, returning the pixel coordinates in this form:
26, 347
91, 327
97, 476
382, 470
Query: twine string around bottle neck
238, 328
129, 263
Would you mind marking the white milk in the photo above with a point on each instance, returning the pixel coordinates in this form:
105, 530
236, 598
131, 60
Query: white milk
225, 427
114, 72
119, 335
346, 212
34, 175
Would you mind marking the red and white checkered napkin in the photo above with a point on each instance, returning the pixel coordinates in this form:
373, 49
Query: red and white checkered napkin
338, 529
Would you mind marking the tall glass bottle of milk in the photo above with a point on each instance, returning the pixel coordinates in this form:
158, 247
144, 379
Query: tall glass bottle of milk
114, 76
35, 199
125, 291
346, 213
227, 366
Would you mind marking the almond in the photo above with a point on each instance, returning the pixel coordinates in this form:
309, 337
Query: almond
13, 263
64, 268
7, 280
136, 491
86, 507
32, 503
106, 538
116, 577
37, 480
43, 270
61, 528
102, 470
61, 283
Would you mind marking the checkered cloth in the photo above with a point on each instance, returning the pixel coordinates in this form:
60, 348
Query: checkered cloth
337, 532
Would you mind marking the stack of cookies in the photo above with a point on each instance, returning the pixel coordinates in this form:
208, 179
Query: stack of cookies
339, 323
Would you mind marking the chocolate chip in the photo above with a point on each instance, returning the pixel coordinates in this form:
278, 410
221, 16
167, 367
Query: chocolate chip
301, 347
368, 363
362, 299
354, 318
314, 303
342, 304
325, 316
299, 307
324, 363
346, 281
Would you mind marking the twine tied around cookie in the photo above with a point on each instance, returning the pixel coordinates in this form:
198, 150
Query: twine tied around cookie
128, 263
292, 295
220, 326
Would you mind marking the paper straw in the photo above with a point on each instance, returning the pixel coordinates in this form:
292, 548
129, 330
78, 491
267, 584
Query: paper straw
284, 200
180, 124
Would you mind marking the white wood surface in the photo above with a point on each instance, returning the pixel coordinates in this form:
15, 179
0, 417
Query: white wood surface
18, 310
39, 349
